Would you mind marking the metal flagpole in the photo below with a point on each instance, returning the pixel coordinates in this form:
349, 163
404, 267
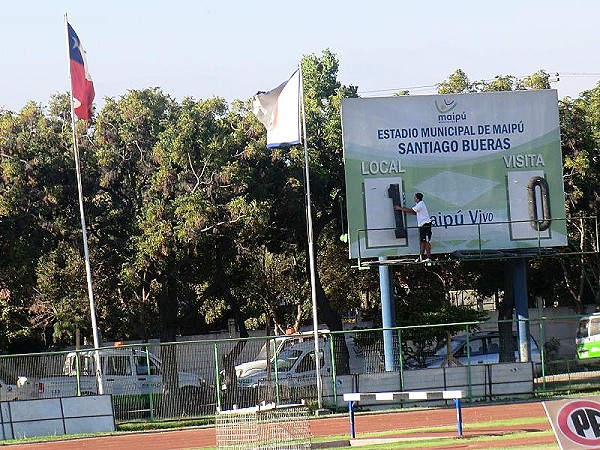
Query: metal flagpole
311, 251
88, 270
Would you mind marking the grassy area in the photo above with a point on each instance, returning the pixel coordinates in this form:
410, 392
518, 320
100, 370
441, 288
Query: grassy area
165, 424
128, 427
494, 442
51, 438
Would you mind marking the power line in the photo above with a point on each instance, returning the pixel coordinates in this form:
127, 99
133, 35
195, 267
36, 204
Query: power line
578, 74
552, 75
431, 86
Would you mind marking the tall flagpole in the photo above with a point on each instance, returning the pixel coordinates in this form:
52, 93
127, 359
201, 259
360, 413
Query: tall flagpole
311, 250
88, 269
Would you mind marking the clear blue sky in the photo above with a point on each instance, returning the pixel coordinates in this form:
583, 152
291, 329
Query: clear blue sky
231, 49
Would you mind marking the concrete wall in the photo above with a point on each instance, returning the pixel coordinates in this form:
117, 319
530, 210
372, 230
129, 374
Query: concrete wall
56, 416
481, 382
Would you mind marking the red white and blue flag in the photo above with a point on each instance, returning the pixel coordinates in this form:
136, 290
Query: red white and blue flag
82, 87
279, 112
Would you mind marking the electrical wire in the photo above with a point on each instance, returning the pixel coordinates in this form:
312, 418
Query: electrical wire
552, 74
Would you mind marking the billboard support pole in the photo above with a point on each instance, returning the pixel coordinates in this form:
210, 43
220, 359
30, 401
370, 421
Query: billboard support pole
519, 274
387, 313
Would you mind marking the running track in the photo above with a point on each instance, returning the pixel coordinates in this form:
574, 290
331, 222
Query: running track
196, 438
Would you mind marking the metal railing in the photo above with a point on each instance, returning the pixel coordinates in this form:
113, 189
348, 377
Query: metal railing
575, 226
196, 378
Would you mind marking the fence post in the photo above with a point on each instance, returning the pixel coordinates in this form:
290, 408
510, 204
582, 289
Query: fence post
469, 378
218, 373
276, 367
543, 351
333, 366
148, 371
400, 359
78, 373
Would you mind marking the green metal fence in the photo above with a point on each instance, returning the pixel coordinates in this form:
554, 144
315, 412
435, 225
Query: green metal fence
197, 378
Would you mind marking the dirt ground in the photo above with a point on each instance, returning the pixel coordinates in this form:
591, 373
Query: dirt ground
196, 438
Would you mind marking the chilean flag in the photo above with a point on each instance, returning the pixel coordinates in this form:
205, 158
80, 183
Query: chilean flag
82, 86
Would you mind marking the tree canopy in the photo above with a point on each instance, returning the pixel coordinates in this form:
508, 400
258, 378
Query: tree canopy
192, 221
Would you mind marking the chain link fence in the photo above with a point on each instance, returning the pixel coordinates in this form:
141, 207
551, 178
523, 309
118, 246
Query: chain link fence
198, 378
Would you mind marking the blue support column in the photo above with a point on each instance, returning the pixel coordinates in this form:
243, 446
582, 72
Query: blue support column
387, 314
519, 274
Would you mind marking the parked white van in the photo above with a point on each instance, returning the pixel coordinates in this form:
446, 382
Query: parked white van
126, 371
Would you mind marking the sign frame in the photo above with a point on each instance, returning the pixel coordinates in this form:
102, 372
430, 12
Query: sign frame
489, 166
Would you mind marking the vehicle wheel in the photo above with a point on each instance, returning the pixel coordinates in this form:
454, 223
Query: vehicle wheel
192, 399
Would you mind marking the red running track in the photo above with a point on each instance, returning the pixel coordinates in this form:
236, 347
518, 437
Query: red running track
196, 438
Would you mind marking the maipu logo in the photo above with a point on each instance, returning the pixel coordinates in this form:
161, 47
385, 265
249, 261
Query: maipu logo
446, 113
446, 106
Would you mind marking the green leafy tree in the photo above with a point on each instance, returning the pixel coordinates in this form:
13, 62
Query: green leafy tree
126, 133
322, 100
191, 221
457, 83
37, 204
580, 139
62, 304
323, 95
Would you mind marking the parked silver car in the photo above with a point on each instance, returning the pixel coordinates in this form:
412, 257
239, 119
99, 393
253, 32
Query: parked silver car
483, 348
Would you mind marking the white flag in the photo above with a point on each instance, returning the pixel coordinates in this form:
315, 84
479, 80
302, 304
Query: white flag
279, 111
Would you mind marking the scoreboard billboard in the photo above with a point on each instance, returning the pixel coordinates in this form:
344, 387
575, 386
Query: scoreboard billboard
489, 166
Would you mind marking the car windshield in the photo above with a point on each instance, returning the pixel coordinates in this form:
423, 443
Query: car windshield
286, 359
282, 344
262, 353
588, 326
455, 342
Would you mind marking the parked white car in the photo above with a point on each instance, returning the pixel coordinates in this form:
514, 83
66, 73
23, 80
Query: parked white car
295, 371
276, 346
